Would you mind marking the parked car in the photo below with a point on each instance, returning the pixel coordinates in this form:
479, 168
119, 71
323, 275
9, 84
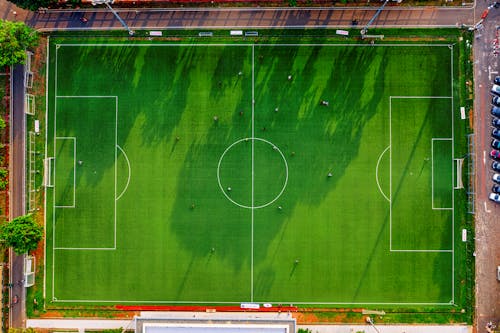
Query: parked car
495, 154
495, 144
495, 197
496, 178
495, 89
495, 166
495, 133
496, 80
495, 100
495, 122
495, 110
495, 189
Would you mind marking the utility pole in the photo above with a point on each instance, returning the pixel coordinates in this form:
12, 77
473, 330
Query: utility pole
377, 13
108, 4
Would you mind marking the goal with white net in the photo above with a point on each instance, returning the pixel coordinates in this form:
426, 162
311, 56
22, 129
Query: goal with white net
458, 182
29, 271
47, 172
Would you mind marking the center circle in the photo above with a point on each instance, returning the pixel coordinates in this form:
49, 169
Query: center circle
252, 173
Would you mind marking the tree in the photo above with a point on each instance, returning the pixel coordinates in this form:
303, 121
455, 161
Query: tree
22, 234
3, 179
15, 39
35, 4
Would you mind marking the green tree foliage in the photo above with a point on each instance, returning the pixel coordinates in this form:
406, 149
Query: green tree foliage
3, 179
21, 330
35, 4
22, 234
15, 38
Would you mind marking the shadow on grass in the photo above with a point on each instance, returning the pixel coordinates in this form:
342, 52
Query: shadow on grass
302, 128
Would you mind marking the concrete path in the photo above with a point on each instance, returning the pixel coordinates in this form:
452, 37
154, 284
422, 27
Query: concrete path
94, 324
387, 328
81, 325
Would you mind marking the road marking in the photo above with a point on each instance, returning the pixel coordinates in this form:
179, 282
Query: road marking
486, 208
484, 157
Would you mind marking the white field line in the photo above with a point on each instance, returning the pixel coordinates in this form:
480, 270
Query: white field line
239, 302
90, 96
86, 248
45, 153
390, 171
74, 172
55, 175
449, 251
248, 44
432, 172
452, 179
116, 171
115, 191
253, 175
376, 174
129, 172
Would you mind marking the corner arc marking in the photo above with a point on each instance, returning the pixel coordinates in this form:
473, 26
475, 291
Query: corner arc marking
129, 172
376, 174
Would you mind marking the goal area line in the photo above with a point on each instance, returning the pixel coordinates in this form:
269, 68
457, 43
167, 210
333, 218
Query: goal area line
57, 300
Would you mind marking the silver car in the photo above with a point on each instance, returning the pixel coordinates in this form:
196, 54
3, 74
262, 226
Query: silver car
495, 89
495, 197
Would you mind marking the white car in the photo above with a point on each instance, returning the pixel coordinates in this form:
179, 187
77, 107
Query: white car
495, 197
496, 178
495, 89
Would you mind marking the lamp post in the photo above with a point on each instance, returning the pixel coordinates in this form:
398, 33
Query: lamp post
108, 4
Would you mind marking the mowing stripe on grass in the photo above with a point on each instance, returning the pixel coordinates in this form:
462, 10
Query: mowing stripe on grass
65, 163
442, 183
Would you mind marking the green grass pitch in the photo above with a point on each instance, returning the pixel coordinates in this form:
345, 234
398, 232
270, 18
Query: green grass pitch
205, 173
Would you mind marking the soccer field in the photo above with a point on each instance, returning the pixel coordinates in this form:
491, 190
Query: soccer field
272, 173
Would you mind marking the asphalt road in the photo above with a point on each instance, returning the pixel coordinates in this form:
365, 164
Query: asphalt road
252, 18
17, 191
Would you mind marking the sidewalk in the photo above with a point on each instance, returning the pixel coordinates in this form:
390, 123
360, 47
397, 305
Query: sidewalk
93, 324
80, 324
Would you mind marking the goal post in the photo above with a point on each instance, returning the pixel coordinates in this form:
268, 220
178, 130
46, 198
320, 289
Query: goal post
47, 172
29, 105
459, 162
29, 271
